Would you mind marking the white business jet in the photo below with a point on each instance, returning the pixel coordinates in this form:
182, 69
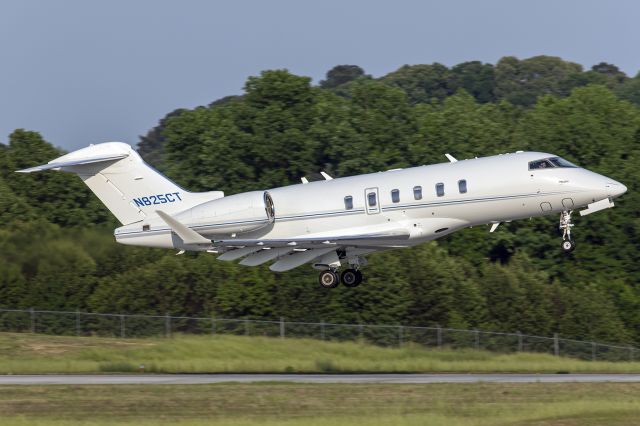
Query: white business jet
335, 221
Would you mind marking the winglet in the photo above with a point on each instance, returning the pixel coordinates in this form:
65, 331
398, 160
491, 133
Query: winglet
451, 158
188, 236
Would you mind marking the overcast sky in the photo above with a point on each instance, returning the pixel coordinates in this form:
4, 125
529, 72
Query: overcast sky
85, 71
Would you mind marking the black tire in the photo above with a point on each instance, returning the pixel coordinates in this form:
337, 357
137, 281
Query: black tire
328, 279
568, 246
351, 278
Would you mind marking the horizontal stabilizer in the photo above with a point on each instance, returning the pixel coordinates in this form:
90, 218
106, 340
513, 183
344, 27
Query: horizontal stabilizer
87, 160
188, 236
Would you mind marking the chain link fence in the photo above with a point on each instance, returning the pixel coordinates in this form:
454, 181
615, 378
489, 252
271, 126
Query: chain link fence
124, 325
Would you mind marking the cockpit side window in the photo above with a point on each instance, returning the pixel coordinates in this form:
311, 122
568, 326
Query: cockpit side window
540, 164
550, 163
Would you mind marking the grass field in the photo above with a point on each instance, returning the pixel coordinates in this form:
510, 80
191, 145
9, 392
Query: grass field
33, 353
323, 405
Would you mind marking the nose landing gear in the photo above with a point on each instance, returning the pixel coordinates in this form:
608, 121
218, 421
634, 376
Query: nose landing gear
568, 245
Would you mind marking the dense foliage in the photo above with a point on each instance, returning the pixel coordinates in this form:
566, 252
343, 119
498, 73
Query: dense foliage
56, 250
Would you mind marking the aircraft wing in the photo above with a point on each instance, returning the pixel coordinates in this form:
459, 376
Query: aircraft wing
368, 239
293, 252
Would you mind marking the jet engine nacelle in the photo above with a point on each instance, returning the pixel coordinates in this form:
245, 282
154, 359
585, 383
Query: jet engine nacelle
234, 214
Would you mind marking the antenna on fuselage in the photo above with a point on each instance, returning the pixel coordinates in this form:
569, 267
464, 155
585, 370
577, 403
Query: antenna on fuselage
326, 176
451, 158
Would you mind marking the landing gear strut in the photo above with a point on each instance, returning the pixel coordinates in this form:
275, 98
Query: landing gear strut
568, 245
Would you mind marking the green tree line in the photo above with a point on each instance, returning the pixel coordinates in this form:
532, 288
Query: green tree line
57, 249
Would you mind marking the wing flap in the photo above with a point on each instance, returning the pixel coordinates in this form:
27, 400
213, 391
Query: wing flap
264, 256
238, 253
294, 260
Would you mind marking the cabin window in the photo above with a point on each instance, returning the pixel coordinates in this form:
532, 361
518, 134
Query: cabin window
371, 197
462, 186
348, 202
417, 192
146, 227
440, 189
395, 195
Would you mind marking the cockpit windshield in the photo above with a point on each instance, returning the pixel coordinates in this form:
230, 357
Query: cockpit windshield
561, 162
550, 163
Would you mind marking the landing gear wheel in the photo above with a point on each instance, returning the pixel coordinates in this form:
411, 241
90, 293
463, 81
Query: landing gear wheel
329, 279
568, 246
351, 278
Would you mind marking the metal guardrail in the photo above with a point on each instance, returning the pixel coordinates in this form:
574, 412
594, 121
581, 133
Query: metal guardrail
137, 325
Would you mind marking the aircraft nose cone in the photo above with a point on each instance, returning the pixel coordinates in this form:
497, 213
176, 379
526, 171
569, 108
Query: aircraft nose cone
615, 189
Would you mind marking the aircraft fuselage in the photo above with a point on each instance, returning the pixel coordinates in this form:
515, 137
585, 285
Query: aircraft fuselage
428, 201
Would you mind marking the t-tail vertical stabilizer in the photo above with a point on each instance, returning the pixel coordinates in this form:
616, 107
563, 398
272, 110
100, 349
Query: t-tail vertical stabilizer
125, 184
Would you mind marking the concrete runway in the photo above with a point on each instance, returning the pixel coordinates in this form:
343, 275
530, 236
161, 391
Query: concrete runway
191, 379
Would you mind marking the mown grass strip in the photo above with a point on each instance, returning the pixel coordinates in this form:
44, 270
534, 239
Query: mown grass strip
32, 353
320, 405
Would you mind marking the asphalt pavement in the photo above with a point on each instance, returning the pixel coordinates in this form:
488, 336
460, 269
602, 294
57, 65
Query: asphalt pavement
191, 379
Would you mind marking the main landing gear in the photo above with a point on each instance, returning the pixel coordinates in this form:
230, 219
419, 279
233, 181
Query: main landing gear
349, 277
568, 245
